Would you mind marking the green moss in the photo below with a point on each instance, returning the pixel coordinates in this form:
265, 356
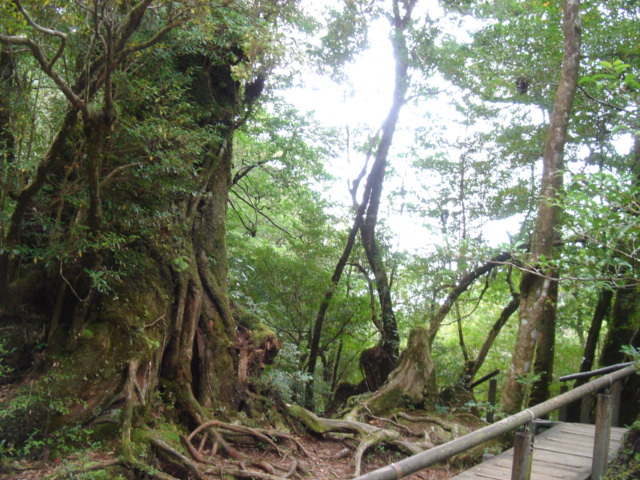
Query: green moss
140, 447
627, 465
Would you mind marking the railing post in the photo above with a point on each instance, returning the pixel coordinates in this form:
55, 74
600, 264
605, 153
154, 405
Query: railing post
562, 412
585, 409
493, 387
616, 393
522, 456
602, 435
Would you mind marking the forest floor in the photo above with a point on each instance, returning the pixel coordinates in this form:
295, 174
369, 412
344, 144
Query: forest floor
324, 464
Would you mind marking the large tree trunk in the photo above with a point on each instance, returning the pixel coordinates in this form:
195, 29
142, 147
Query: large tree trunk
536, 283
412, 383
625, 320
167, 322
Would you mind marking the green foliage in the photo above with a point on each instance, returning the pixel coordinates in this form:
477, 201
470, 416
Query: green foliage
285, 377
632, 352
602, 210
615, 85
4, 351
347, 34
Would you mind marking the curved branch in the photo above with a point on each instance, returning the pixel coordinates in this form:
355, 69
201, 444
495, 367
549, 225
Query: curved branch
46, 66
152, 41
48, 31
240, 174
461, 287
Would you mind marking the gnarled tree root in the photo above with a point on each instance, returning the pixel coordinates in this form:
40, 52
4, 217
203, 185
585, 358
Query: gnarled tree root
368, 435
215, 436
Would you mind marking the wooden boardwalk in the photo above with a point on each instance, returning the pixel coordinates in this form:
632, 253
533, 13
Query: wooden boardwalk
562, 452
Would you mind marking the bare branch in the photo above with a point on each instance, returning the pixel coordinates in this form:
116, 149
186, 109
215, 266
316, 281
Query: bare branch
601, 102
262, 214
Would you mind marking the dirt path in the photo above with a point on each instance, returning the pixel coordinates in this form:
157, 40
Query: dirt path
325, 463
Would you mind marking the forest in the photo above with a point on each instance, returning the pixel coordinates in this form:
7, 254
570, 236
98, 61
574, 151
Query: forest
230, 225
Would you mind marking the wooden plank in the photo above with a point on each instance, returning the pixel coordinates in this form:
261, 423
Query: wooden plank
563, 452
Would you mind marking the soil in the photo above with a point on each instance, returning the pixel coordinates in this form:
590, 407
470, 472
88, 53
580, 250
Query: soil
323, 464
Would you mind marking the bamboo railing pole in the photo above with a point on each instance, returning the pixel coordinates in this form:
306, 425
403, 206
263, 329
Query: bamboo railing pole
493, 388
424, 459
602, 436
562, 412
616, 393
585, 409
522, 456
592, 373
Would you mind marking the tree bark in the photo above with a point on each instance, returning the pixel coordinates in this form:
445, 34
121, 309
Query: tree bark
536, 284
166, 322
545, 349
389, 341
625, 320
7, 155
412, 382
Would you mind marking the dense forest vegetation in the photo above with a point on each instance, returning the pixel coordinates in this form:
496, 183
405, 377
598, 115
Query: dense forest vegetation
182, 246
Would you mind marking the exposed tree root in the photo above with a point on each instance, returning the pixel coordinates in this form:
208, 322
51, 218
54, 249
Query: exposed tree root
86, 469
425, 418
213, 439
235, 428
241, 473
216, 436
177, 456
368, 435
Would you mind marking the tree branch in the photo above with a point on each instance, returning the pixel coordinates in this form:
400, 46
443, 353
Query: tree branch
461, 287
48, 31
244, 171
46, 67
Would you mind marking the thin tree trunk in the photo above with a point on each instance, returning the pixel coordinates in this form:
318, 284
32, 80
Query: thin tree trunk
390, 340
472, 367
367, 213
545, 349
536, 285
314, 346
603, 306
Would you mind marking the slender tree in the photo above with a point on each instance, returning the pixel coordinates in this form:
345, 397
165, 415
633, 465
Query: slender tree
366, 216
536, 283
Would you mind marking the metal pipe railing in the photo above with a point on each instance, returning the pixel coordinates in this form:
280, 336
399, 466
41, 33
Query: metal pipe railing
424, 459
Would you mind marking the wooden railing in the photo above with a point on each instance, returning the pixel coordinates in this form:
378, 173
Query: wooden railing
585, 404
429, 457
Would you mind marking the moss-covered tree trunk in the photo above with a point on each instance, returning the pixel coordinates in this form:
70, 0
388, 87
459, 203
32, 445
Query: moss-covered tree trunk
7, 154
411, 384
123, 224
